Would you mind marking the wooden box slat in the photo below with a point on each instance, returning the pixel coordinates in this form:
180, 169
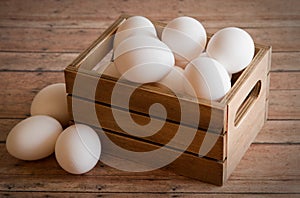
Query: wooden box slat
241, 134
186, 164
162, 137
150, 91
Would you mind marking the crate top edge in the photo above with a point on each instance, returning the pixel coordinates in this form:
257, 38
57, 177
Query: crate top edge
108, 32
263, 50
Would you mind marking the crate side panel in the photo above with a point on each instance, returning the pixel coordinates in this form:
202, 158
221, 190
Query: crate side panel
104, 117
100, 90
242, 134
187, 165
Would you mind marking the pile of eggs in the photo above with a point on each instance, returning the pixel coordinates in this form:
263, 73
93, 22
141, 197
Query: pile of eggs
178, 60
77, 148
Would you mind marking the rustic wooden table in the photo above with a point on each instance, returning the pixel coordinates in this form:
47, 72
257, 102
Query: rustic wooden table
38, 39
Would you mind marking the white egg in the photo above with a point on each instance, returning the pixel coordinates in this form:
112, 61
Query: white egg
52, 101
143, 59
208, 78
132, 26
232, 47
109, 69
78, 149
174, 80
33, 138
204, 54
186, 37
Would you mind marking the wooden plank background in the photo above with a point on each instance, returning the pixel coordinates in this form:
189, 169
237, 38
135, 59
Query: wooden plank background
39, 38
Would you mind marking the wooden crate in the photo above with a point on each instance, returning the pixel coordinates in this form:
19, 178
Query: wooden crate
237, 118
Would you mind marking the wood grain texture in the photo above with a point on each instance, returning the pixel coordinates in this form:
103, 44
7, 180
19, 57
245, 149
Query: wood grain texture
20, 90
76, 40
46, 36
19, 176
259, 155
27, 61
46, 40
285, 61
279, 131
262, 161
204, 8
142, 185
284, 104
98, 14
142, 195
285, 80
242, 132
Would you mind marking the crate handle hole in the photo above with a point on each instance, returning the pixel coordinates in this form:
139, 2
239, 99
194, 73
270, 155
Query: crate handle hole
247, 103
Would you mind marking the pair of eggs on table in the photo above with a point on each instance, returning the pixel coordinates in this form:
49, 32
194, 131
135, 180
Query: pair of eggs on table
77, 148
141, 57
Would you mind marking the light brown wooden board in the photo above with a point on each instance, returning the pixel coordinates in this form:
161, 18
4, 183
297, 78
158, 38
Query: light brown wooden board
97, 14
27, 61
91, 22
284, 104
100, 22
281, 132
254, 166
47, 40
76, 40
161, 180
285, 80
253, 174
285, 61
204, 8
17, 91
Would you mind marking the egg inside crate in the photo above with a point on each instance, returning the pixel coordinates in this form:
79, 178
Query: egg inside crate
52, 101
232, 47
33, 138
208, 78
174, 80
143, 59
204, 54
108, 69
186, 37
78, 149
135, 25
